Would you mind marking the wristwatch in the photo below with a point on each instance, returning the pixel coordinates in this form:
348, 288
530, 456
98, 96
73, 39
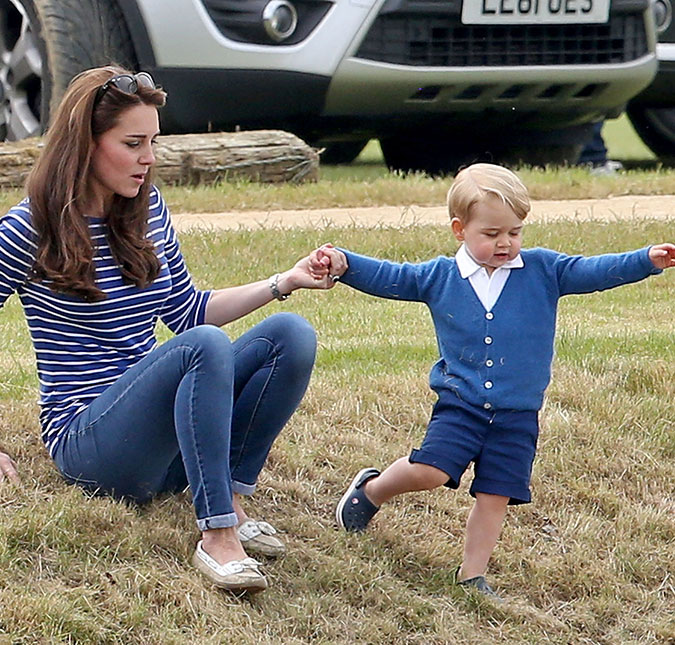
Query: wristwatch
273, 284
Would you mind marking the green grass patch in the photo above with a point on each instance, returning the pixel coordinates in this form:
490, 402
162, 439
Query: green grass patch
590, 561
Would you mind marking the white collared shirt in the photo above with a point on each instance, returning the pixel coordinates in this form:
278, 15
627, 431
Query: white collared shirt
486, 287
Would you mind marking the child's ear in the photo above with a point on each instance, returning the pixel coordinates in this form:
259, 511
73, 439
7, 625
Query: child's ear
457, 228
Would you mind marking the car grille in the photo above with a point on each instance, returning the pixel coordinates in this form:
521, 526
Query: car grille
442, 41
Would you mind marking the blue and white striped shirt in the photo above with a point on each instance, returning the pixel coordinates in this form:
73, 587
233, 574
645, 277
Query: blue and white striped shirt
83, 347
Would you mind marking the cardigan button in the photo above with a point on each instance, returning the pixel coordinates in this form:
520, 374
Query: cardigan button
488, 385
487, 406
488, 340
489, 362
489, 315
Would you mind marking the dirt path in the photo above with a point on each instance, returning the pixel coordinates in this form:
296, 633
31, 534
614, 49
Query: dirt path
611, 209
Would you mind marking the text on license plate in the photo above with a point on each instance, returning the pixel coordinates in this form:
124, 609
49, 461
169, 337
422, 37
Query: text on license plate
507, 12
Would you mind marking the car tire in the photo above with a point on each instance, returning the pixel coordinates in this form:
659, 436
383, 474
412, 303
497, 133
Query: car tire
342, 152
656, 128
43, 44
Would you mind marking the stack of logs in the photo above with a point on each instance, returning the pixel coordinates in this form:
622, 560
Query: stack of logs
267, 156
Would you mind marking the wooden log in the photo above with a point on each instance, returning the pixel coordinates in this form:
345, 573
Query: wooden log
266, 156
16, 160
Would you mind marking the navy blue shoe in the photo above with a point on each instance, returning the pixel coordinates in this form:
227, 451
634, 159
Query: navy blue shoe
480, 584
355, 510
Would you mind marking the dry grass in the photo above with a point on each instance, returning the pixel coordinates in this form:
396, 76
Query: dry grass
592, 560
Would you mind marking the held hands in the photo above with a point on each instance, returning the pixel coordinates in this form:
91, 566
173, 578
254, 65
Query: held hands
321, 269
8, 468
662, 255
327, 260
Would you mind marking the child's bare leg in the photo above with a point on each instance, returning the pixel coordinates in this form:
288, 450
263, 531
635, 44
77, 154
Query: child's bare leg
403, 477
369, 489
482, 531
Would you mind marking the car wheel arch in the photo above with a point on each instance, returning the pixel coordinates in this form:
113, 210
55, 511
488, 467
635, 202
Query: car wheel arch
65, 37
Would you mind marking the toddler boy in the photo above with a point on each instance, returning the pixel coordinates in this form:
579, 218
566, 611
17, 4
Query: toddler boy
494, 310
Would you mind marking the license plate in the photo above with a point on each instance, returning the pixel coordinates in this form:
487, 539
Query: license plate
535, 12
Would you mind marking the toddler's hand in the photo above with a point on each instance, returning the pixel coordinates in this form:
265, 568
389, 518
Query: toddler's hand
318, 264
337, 262
662, 255
321, 269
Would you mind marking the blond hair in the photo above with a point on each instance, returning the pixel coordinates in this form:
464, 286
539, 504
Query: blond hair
480, 180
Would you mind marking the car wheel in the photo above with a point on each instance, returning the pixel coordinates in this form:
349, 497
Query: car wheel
656, 127
43, 44
342, 152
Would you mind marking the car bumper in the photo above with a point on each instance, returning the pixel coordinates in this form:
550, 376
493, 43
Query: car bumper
224, 99
526, 95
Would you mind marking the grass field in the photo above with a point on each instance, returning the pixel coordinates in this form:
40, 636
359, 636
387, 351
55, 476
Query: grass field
591, 561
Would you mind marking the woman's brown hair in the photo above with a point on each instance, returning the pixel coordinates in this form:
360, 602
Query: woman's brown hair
58, 187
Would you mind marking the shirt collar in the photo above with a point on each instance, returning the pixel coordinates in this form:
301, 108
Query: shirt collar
468, 266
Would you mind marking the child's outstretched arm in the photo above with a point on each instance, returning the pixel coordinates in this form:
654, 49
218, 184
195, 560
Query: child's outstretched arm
662, 255
580, 274
382, 278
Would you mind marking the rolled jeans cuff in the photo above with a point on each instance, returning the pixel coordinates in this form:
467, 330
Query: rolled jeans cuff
243, 489
218, 522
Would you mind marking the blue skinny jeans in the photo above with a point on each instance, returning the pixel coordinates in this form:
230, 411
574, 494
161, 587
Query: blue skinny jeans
197, 410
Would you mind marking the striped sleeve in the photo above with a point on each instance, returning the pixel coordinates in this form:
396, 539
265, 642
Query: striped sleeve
186, 306
17, 249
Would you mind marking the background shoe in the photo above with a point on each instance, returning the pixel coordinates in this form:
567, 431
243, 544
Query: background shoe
237, 575
608, 168
355, 510
258, 537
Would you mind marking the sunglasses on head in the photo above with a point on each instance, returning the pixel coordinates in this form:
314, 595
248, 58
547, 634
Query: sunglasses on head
127, 83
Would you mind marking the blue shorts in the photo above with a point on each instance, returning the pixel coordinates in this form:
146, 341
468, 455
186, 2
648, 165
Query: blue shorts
501, 443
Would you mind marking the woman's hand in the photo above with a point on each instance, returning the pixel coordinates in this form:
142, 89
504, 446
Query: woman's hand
662, 255
8, 468
319, 270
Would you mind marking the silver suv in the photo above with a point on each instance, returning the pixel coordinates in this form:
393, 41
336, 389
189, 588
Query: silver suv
439, 82
652, 112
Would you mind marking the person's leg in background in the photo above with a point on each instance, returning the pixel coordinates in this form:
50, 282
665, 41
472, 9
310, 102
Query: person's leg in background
594, 154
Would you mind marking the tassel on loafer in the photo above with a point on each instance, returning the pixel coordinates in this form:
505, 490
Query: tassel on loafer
259, 537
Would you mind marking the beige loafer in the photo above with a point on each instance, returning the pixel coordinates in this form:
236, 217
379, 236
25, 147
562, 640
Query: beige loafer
259, 537
237, 575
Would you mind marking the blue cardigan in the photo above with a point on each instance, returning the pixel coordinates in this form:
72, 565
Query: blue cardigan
501, 358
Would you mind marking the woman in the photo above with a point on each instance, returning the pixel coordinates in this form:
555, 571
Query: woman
95, 261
